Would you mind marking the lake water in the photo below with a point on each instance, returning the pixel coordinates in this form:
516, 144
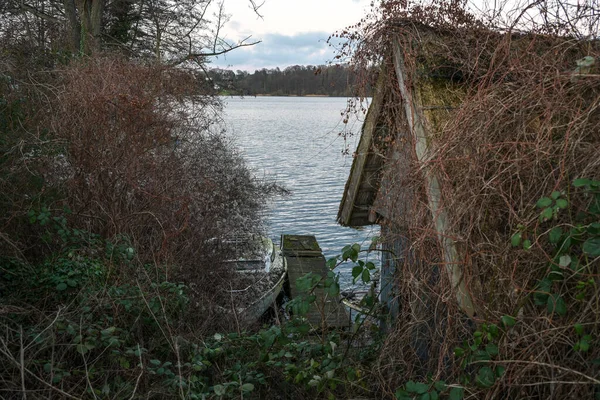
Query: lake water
295, 141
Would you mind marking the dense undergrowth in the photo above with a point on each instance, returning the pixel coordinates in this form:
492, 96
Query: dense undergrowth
112, 197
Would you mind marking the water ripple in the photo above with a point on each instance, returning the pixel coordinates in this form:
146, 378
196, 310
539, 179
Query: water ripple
295, 142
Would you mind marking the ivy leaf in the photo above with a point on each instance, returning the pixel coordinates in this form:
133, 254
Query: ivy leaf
555, 195
61, 286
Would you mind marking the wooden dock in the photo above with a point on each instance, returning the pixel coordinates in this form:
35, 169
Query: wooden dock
303, 255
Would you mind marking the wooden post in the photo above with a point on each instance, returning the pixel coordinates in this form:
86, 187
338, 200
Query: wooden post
412, 108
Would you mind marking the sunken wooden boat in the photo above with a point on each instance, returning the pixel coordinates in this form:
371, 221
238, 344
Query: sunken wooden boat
260, 278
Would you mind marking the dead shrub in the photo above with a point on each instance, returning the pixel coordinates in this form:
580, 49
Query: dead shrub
140, 157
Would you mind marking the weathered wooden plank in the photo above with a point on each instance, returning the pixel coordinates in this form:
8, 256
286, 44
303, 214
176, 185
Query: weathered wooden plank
301, 259
412, 105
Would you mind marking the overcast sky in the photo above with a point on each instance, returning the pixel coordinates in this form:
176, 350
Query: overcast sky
292, 31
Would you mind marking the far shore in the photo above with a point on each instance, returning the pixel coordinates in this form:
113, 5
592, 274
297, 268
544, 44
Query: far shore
277, 95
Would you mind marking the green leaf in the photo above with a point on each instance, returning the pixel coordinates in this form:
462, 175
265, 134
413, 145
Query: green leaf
544, 202
546, 214
481, 355
562, 203
219, 390
440, 386
578, 329
416, 387
366, 276
581, 182
485, 377
492, 349
333, 289
247, 387
527, 244
556, 304
456, 394
592, 247
555, 235
459, 351
515, 240
500, 370
108, 331
155, 362
564, 261
508, 321
356, 271
353, 253
61, 286
584, 344
434, 395
593, 229
425, 396
47, 368
402, 394
81, 348
555, 195
331, 263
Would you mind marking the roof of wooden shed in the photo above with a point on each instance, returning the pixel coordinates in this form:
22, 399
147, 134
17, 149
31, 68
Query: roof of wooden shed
362, 185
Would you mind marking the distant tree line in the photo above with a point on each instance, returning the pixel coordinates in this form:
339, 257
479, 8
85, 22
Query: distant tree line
297, 80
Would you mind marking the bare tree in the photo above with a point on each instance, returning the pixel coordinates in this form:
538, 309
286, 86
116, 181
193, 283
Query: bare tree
170, 31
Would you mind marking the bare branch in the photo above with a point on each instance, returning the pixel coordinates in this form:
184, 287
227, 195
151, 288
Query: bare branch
255, 7
200, 56
37, 13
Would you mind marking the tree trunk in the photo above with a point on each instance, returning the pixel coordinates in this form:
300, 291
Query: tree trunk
74, 25
90, 15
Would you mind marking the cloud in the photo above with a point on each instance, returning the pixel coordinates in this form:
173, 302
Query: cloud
278, 50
